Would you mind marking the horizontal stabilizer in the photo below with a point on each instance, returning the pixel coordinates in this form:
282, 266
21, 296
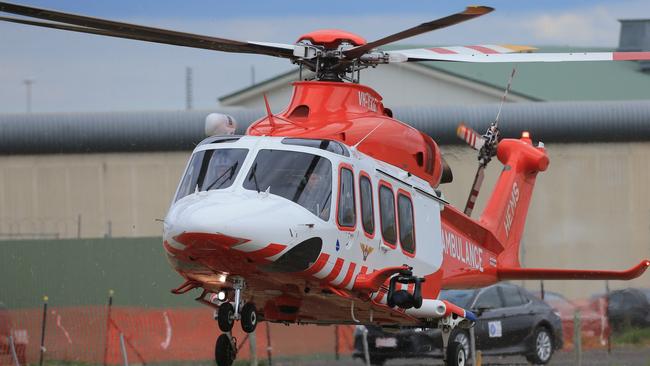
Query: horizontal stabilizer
571, 274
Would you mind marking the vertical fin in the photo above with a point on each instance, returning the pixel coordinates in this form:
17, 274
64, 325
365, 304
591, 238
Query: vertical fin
506, 210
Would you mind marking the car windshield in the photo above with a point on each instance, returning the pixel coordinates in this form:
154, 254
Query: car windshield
303, 178
211, 169
461, 298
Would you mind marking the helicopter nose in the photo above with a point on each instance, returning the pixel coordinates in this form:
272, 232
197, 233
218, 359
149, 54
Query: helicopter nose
257, 225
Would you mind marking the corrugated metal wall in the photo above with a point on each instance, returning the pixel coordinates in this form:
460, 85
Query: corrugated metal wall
181, 130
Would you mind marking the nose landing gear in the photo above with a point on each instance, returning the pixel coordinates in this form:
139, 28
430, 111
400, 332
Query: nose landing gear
225, 350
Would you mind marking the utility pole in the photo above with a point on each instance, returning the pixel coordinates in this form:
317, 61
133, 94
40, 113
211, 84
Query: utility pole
188, 88
28, 86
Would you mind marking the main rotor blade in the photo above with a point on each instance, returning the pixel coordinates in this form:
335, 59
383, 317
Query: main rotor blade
111, 28
470, 12
488, 55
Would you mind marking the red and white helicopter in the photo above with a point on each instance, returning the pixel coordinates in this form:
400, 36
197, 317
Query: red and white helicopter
331, 212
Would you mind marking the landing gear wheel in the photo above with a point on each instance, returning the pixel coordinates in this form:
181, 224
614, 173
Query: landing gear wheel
456, 355
249, 317
543, 347
226, 317
224, 352
462, 337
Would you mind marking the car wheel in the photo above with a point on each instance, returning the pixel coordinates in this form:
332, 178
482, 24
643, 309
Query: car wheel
456, 355
543, 347
462, 337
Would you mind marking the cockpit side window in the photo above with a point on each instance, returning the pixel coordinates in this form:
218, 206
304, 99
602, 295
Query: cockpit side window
191, 176
211, 169
346, 208
303, 178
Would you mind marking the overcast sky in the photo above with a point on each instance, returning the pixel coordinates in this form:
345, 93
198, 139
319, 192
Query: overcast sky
78, 72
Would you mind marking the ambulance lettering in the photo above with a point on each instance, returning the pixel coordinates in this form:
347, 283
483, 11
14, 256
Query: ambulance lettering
462, 249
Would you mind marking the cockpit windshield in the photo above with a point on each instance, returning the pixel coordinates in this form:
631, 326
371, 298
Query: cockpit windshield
211, 169
303, 178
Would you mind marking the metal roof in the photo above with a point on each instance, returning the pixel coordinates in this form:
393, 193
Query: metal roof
48, 133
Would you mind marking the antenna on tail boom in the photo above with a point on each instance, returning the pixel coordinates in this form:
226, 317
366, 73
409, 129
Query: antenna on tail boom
486, 146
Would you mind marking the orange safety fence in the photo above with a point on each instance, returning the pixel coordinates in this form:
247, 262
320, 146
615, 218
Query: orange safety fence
87, 334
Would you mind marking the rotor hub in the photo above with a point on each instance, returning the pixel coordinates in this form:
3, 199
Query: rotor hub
332, 38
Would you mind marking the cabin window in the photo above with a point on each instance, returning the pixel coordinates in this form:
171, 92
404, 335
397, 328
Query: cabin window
303, 178
211, 169
367, 209
387, 215
346, 210
406, 226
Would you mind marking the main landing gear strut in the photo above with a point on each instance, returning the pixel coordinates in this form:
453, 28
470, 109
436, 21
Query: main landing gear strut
454, 353
225, 350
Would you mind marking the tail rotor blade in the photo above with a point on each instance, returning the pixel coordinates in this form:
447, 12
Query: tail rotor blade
476, 187
471, 137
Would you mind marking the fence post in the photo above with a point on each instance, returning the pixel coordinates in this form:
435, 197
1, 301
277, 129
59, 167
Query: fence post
79, 226
472, 345
336, 342
609, 325
125, 358
43, 323
108, 324
252, 342
364, 339
269, 349
577, 337
13, 351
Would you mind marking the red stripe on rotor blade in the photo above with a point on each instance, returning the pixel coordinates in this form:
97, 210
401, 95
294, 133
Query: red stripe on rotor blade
266, 252
630, 56
482, 49
442, 50
318, 265
348, 276
363, 270
335, 271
